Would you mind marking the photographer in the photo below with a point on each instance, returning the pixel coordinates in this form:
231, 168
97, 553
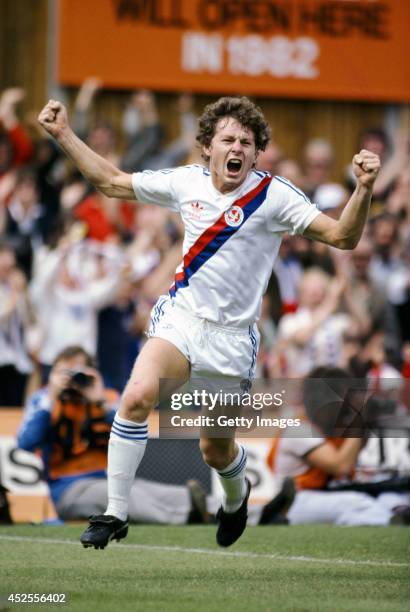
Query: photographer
69, 421
323, 463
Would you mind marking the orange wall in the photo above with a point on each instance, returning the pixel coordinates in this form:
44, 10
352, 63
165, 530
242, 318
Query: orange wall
328, 49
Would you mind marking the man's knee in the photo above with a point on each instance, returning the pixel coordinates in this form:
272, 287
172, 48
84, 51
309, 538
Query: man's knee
137, 401
218, 454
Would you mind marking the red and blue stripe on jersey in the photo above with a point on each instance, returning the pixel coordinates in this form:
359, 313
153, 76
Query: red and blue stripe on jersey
215, 236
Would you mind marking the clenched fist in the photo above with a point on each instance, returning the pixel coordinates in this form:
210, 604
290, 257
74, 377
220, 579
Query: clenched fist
366, 166
53, 118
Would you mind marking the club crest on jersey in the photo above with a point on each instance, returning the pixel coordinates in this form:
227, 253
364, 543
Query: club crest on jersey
195, 210
234, 216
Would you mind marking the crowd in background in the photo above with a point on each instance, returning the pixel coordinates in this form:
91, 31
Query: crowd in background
79, 268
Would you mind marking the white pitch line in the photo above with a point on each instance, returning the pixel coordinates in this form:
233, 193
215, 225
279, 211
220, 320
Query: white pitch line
215, 553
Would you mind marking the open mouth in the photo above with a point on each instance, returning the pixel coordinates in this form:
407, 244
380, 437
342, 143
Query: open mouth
234, 166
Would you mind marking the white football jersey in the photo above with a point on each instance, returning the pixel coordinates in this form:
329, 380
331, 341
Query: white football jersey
231, 240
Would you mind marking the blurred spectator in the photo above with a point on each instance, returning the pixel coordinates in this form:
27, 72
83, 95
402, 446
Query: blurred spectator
369, 295
398, 202
177, 151
272, 160
15, 317
398, 290
382, 371
318, 159
15, 145
83, 105
323, 461
156, 251
289, 271
49, 164
296, 255
312, 254
290, 169
74, 190
331, 198
70, 285
394, 157
269, 159
312, 335
405, 372
267, 325
371, 357
385, 238
27, 223
76, 401
103, 138
145, 134
106, 218
118, 341
50, 174
99, 135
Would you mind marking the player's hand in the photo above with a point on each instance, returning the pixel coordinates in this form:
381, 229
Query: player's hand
366, 166
53, 118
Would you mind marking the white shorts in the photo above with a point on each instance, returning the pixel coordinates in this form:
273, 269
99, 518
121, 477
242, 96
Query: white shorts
211, 349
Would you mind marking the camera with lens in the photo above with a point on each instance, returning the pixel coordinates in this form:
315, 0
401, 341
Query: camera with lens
79, 381
381, 412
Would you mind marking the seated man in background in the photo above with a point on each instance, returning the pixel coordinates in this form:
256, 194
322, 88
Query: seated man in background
69, 421
318, 462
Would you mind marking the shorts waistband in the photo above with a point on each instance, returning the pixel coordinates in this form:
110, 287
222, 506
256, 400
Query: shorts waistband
244, 330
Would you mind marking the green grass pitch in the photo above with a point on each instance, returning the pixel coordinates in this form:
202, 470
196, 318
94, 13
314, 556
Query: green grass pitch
300, 569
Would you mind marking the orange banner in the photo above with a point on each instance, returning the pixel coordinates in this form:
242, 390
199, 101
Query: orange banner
334, 49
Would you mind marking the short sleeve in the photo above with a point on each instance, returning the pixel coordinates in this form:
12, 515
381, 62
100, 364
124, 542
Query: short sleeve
158, 187
289, 209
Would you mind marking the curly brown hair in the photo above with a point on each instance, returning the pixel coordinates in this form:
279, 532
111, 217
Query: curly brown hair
243, 110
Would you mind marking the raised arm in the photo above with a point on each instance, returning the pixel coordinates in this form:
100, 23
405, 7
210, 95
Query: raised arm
346, 232
105, 176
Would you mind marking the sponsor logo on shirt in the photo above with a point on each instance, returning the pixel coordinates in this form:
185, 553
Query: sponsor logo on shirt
195, 210
234, 216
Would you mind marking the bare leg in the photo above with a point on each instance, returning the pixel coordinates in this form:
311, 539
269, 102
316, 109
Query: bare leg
158, 359
229, 460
